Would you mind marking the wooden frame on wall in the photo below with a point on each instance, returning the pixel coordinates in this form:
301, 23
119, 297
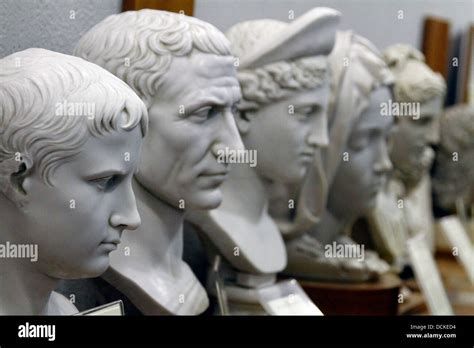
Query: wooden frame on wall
187, 6
467, 82
436, 44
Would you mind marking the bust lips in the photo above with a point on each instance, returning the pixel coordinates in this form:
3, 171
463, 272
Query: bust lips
110, 242
377, 185
214, 172
212, 180
307, 155
109, 247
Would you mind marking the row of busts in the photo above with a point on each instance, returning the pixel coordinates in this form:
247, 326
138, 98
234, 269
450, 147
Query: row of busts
270, 141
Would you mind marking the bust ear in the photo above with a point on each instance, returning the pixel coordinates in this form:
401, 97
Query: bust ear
13, 172
242, 120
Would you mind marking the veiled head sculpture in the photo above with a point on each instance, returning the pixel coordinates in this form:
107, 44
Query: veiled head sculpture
419, 89
453, 176
355, 164
355, 161
183, 69
70, 137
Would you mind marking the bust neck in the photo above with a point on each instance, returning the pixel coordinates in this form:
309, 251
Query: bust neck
158, 242
329, 228
24, 290
161, 232
244, 185
242, 221
148, 265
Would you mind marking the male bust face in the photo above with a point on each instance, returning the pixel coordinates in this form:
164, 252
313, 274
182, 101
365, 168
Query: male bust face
360, 178
190, 121
66, 177
411, 153
80, 220
287, 133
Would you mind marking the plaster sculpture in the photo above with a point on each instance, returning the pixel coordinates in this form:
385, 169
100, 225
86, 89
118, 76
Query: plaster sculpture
70, 137
183, 70
453, 176
283, 74
355, 164
405, 208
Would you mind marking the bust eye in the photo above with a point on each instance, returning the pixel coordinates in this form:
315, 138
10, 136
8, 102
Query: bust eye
360, 141
359, 144
423, 121
306, 111
106, 183
203, 114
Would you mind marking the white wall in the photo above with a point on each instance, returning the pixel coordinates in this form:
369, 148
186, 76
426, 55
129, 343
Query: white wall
375, 19
48, 23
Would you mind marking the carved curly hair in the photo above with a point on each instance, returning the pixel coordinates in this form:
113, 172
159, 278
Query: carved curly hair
415, 81
138, 46
32, 83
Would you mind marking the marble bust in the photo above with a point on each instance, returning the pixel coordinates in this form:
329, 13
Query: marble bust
283, 74
453, 175
404, 207
415, 82
70, 140
183, 70
355, 165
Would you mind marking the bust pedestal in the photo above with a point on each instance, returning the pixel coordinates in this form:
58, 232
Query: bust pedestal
379, 297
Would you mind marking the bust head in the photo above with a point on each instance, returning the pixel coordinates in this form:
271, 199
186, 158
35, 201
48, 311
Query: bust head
453, 176
70, 137
415, 83
361, 177
357, 158
158, 53
283, 116
284, 98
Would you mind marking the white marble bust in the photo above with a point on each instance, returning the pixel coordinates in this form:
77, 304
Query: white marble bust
404, 207
355, 164
183, 70
453, 176
70, 139
283, 74
413, 137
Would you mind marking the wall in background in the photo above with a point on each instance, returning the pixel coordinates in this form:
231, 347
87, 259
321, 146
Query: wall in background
378, 20
49, 24
375, 19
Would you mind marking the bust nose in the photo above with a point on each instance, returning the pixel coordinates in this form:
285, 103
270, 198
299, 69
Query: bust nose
126, 214
318, 135
228, 136
383, 164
